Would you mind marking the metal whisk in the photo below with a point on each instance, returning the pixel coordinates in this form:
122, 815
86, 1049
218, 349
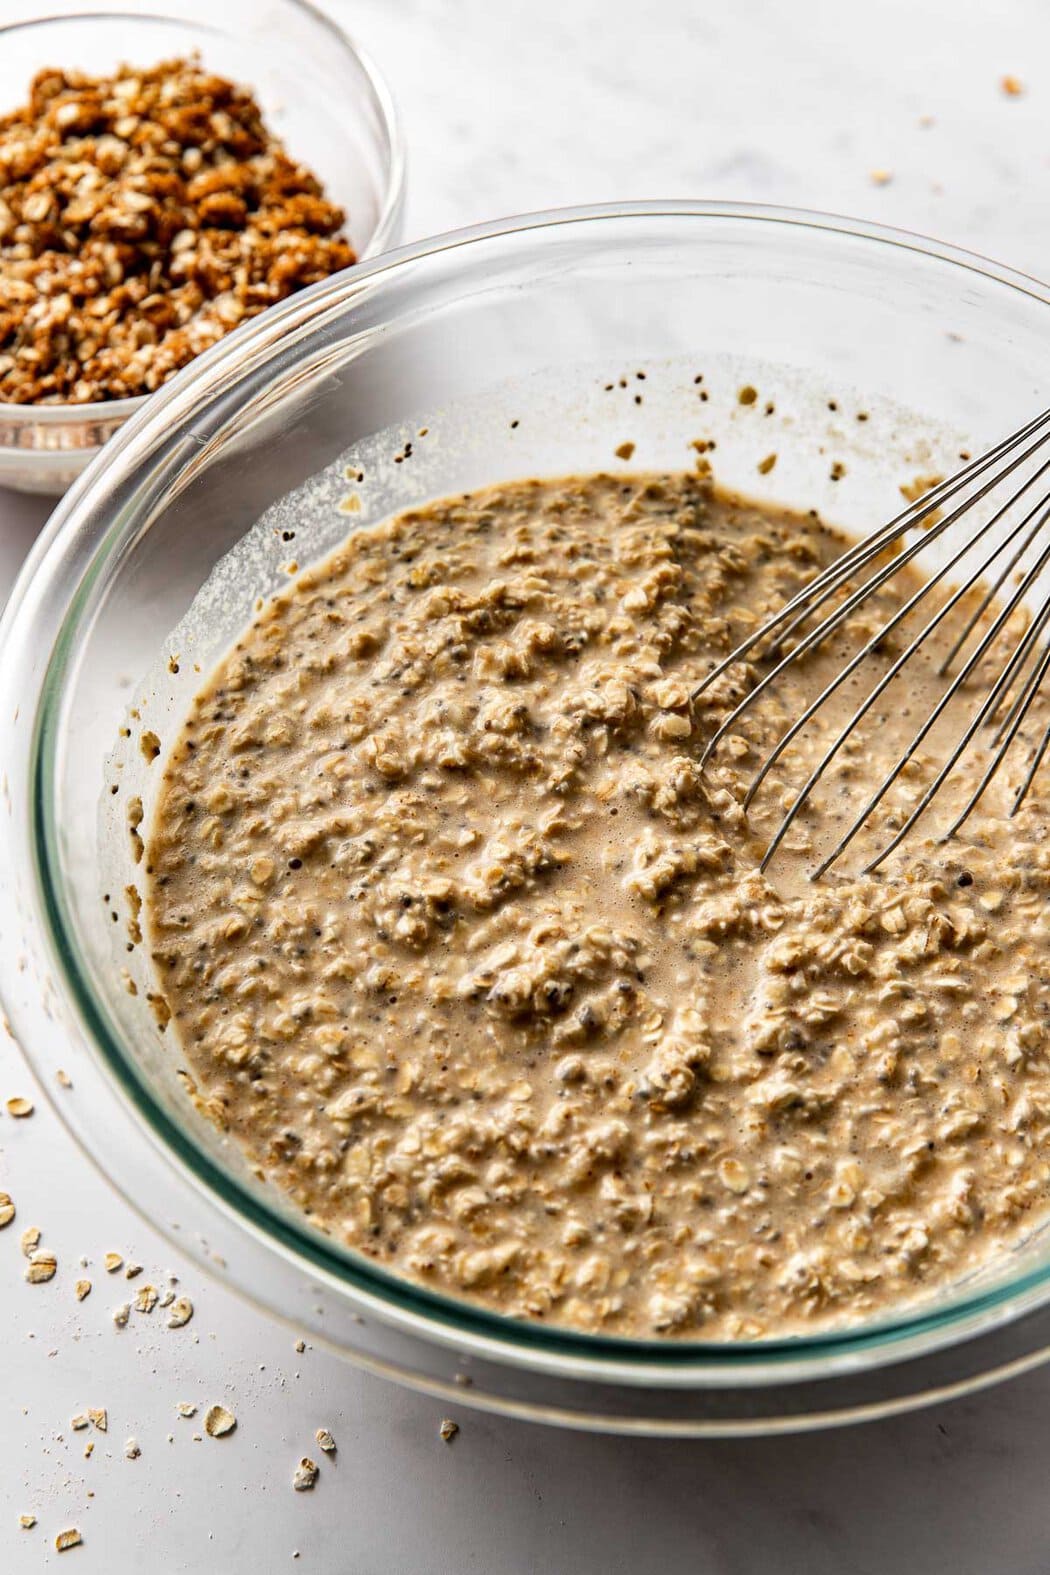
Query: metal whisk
1011, 544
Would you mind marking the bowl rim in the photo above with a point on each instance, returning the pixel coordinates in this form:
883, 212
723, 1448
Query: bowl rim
434, 1316
392, 133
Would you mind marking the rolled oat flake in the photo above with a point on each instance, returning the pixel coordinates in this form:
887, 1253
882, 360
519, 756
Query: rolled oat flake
218, 1421
41, 1267
306, 1474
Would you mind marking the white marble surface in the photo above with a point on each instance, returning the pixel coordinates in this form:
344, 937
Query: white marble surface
509, 106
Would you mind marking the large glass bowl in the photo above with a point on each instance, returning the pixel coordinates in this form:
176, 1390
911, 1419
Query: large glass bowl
319, 92
510, 350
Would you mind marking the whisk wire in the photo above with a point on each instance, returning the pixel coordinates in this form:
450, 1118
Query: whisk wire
862, 552
1005, 555
880, 688
1018, 711
1001, 685
888, 628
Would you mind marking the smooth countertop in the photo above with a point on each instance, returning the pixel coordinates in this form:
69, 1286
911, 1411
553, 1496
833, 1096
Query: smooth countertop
507, 108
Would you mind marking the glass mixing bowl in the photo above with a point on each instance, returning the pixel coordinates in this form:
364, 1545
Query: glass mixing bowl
320, 93
499, 352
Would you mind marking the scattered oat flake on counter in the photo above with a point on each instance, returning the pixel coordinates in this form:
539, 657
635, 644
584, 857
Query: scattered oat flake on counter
300, 1347
624, 451
306, 1474
68, 1539
181, 1312
131, 1449
448, 1430
89, 1449
41, 1267
112, 1261
78, 1423
132, 1270
1012, 86
881, 177
218, 1421
27, 1522
82, 1288
29, 1240
99, 1418
7, 1209
20, 1107
325, 1440
186, 1408
121, 1315
63, 1079
146, 1298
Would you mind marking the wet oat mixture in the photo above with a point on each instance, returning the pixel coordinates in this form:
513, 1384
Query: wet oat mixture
470, 958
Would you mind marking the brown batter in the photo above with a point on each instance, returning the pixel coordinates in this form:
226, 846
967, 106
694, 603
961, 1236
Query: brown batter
471, 959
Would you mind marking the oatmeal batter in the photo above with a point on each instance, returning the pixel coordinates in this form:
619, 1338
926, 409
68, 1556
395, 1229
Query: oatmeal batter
469, 957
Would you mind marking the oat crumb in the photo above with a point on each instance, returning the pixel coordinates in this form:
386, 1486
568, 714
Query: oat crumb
99, 1419
218, 1421
113, 1261
63, 1079
1012, 86
82, 1288
27, 1522
306, 1474
448, 1429
624, 451
7, 1209
325, 1440
132, 1270
29, 1241
121, 1315
20, 1107
766, 465
68, 1539
186, 1408
41, 1267
881, 177
131, 1449
181, 1312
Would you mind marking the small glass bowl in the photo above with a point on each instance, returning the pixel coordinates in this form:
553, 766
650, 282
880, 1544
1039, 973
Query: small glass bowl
319, 92
537, 346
